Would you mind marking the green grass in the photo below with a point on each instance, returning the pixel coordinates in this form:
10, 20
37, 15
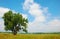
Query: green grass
29, 36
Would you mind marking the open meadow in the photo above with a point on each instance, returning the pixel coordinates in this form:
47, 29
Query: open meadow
29, 36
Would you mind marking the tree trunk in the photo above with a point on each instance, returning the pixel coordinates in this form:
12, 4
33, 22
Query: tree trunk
14, 31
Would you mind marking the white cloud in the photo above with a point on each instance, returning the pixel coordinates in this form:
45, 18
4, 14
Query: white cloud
3, 10
45, 9
54, 22
27, 4
35, 10
1, 25
52, 26
25, 15
39, 23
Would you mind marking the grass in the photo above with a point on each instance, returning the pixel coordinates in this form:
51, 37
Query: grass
29, 36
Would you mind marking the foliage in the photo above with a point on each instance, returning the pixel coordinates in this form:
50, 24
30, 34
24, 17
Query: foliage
14, 22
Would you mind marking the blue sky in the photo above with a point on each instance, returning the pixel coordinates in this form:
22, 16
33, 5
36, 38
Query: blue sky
45, 13
54, 5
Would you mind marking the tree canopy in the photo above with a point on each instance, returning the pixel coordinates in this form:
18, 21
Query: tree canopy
15, 22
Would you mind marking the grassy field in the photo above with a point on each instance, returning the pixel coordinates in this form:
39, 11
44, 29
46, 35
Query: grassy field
29, 36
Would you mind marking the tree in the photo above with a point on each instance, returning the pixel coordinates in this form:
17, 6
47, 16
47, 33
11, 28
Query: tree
15, 22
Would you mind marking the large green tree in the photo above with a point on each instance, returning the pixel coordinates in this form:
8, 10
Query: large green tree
15, 22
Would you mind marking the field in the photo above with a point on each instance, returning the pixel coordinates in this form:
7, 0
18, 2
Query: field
29, 36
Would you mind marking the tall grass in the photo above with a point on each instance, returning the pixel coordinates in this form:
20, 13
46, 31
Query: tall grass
29, 36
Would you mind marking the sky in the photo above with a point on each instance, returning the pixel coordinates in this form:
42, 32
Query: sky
43, 15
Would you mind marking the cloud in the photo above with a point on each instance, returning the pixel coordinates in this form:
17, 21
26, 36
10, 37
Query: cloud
52, 26
45, 9
55, 22
25, 15
3, 10
40, 14
27, 4
35, 10
1, 25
